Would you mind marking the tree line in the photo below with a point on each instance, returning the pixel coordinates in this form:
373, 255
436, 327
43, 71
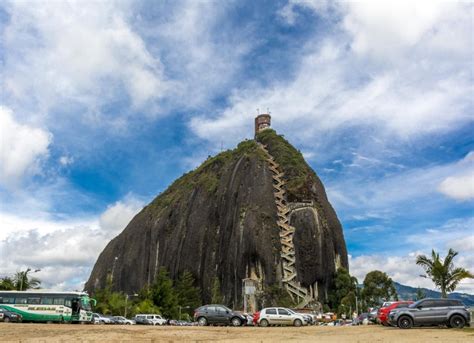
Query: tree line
347, 295
178, 298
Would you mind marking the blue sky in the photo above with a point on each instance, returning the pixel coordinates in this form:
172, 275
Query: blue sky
103, 105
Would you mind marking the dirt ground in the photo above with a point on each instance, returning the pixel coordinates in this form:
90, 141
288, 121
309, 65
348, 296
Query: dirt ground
136, 333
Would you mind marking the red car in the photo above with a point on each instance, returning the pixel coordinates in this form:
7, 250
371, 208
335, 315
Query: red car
382, 314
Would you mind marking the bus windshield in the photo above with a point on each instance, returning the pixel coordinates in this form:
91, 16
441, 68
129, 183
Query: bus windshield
86, 304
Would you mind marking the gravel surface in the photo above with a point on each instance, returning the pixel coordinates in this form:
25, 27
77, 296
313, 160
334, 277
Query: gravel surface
100, 333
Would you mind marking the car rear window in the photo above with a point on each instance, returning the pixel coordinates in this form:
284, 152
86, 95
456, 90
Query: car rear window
270, 311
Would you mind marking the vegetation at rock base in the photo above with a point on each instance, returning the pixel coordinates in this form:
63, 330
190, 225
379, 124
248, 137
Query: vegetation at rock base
163, 297
442, 272
216, 295
275, 295
378, 287
344, 292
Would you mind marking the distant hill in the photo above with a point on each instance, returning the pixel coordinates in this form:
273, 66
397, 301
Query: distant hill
407, 292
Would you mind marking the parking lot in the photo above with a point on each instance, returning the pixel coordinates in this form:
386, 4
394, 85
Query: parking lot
135, 333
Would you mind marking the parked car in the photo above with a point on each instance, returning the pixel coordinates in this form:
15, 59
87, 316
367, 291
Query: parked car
280, 316
428, 312
382, 314
150, 319
9, 316
372, 317
362, 319
101, 319
218, 314
307, 317
123, 321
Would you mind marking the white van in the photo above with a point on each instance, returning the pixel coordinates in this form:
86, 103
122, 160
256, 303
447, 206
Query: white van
150, 319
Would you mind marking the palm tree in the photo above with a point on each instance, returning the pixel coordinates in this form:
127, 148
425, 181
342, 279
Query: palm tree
23, 281
444, 275
7, 284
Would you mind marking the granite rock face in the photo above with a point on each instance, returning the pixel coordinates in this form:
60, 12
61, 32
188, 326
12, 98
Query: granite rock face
220, 221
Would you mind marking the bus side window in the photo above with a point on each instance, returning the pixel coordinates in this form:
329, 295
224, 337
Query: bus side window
47, 301
33, 301
58, 301
68, 302
7, 300
21, 300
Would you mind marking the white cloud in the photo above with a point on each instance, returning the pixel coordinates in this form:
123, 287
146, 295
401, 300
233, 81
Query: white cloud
80, 54
21, 148
64, 250
66, 160
419, 91
394, 193
456, 234
118, 215
461, 185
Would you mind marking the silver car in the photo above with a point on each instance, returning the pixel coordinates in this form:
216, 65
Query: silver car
280, 316
428, 312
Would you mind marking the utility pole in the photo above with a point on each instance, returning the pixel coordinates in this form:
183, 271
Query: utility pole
357, 306
126, 302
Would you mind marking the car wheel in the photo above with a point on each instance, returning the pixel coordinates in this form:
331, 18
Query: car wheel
457, 321
6, 320
405, 322
263, 323
202, 321
236, 321
297, 322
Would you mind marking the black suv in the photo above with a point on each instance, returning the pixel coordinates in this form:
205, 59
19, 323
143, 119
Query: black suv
218, 314
429, 312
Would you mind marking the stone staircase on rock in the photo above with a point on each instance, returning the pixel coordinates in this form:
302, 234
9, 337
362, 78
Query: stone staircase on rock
298, 292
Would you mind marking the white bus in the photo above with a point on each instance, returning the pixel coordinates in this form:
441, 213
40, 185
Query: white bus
48, 306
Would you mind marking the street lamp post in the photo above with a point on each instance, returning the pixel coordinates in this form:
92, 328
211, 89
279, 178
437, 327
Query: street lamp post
126, 302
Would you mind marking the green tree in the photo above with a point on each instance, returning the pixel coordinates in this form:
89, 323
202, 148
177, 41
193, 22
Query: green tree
420, 294
7, 284
164, 295
144, 306
378, 287
23, 282
443, 273
342, 297
216, 295
189, 296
